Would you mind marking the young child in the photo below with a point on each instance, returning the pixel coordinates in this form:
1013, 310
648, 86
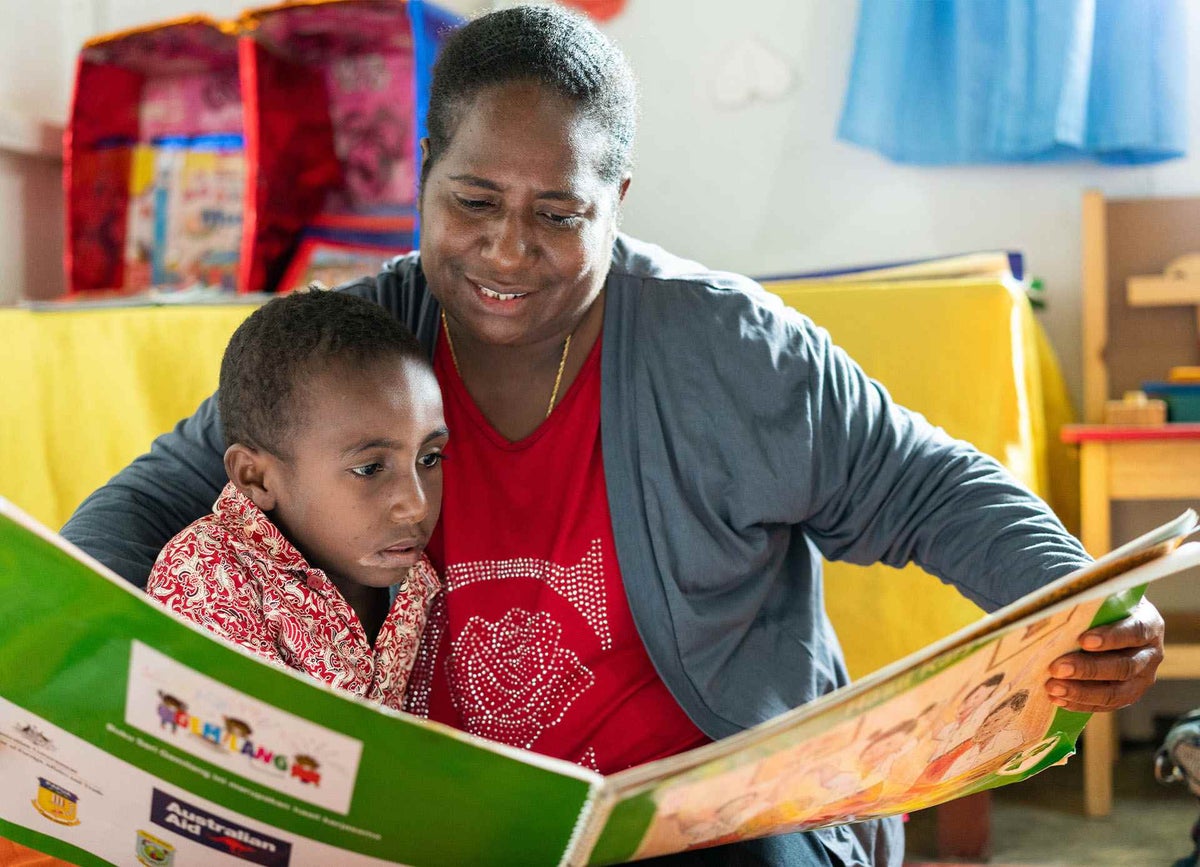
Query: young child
313, 554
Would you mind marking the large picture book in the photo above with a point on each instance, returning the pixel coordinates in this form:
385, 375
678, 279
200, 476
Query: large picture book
130, 736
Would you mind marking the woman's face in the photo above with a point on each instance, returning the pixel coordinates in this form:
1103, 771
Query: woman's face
517, 225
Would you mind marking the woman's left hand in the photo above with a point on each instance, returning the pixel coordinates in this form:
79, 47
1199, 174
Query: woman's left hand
1116, 666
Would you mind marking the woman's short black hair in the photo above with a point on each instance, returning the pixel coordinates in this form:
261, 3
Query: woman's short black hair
552, 46
292, 337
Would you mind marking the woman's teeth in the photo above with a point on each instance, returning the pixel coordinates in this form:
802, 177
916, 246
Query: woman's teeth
500, 296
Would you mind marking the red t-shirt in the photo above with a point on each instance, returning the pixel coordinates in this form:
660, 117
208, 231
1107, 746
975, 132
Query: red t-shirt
532, 642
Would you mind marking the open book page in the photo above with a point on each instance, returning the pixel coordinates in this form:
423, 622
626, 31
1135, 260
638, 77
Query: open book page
125, 729
967, 714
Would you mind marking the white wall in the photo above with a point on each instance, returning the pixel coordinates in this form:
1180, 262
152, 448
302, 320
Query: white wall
34, 76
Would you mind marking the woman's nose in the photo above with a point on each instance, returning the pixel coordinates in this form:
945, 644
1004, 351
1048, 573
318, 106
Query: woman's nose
509, 244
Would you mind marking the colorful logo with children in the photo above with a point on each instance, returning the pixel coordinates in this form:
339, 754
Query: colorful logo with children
189, 711
154, 852
215, 832
237, 736
56, 803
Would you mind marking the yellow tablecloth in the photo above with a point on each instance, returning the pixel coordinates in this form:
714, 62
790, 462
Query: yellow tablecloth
86, 391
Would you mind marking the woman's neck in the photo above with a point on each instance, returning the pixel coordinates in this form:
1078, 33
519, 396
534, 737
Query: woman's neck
512, 385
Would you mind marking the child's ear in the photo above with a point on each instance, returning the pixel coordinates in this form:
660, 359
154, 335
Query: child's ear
251, 471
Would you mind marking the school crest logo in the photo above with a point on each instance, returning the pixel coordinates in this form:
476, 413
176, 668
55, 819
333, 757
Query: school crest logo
56, 803
154, 852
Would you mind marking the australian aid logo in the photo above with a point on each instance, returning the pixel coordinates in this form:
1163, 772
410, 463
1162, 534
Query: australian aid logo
216, 832
191, 712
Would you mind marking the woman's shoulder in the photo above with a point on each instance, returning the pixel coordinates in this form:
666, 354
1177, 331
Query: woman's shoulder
680, 297
635, 260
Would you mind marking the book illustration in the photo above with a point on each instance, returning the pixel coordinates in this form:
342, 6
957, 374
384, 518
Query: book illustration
141, 230
184, 218
145, 728
1001, 264
945, 735
332, 263
371, 107
204, 214
182, 104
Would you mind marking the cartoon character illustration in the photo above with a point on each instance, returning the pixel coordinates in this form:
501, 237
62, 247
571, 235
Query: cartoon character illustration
305, 767
237, 728
966, 716
170, 709
998, 735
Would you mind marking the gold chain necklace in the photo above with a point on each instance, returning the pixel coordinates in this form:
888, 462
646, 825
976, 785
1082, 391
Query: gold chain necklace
562, 363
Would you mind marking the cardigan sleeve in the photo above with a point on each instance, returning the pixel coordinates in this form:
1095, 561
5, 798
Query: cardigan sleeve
128, 521
766, 423
886, 485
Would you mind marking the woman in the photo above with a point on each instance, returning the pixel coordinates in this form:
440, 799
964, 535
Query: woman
648, 458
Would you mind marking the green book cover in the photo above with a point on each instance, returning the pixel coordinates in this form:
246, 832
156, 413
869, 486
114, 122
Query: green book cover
128, 735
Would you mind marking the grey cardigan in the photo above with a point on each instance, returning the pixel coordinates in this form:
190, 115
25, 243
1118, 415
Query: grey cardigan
740, 445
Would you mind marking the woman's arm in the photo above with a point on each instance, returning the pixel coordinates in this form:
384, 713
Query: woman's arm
127, 522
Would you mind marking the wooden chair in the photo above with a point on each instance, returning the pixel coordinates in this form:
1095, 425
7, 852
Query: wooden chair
1141, 309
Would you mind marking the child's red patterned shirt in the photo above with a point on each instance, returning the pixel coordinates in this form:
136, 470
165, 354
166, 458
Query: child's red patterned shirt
236, 575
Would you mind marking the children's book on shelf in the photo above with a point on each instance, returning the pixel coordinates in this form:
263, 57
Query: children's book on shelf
127, 732
998, 264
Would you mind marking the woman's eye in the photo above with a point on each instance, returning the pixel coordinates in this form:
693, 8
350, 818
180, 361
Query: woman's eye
367, 470
473, 204
562, 219
431, 460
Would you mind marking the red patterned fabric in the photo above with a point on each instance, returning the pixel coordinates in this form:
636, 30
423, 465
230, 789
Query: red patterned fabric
236, 575
533, 643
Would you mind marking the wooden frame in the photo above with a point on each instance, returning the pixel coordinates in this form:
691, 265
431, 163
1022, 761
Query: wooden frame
1139, 319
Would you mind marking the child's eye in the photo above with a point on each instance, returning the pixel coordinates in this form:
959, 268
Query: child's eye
366, 470
431, 460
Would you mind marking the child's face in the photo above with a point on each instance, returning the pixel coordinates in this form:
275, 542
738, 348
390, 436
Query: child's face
361, 488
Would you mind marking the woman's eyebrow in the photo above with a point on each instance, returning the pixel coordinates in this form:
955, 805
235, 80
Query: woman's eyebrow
484, 183
476, 181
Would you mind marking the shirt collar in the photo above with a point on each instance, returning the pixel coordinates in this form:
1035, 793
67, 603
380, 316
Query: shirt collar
252, 524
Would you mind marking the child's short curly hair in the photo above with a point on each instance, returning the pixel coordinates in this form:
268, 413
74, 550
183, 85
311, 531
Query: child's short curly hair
292, 337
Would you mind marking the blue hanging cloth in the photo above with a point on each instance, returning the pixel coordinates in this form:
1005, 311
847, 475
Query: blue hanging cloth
940, 82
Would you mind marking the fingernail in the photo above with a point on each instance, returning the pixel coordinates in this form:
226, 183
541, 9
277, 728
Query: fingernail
1065, 669
1092, 642
1061, 702
1056, 689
